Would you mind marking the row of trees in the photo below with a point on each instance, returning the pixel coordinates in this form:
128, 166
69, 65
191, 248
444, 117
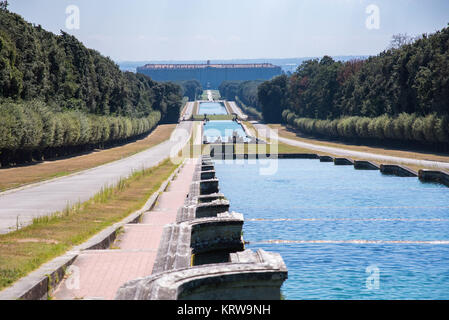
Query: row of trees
245, 94
409, 80
273, 98
246, 91
252, 112
405, 127
58, 97
191, 89
229, 89
32, 131
61, 71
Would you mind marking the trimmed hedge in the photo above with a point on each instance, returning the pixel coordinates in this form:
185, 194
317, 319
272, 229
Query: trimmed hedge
405, 127
32, 130
249, 110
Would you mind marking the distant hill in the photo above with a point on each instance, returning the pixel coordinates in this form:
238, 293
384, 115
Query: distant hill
287, 64
58, 97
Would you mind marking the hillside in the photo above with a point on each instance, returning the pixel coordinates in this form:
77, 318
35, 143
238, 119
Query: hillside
58, 97
400, 95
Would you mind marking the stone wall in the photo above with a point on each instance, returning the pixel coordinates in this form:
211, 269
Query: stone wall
434, 176
397, 170
202, 256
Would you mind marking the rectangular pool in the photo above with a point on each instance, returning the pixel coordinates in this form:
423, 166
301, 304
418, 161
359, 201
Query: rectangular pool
224, 130
334, 225
212, 108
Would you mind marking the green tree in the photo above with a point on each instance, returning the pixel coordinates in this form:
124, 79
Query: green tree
272, 96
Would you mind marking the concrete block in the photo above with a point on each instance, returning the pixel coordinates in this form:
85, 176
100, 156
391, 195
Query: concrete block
198, 236
208, 186
343, 162
326, 158
248, 276
211, 209
207, 168
210, 197
207, 175
365, 165
434, 176
397, 170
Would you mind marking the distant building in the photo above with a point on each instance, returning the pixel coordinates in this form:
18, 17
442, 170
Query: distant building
210, 75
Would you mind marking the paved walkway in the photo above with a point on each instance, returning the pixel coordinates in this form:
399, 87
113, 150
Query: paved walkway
188, 111
198, 139
265, 131
237, 110
43, 199
101, 272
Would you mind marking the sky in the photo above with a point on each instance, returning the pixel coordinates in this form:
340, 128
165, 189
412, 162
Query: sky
139, 30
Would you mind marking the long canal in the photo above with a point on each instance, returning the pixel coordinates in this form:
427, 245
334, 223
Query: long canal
337, 228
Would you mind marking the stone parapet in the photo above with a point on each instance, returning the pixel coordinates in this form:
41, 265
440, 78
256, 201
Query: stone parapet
202, 256
365, 165
343, 162
397, 170
434, 176
248, 276
181, 241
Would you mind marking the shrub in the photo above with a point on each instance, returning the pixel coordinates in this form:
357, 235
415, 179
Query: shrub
405, 127
418, 130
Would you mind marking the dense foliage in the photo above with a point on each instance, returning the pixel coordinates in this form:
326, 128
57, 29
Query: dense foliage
56, 94
252, 112
191, 89
273, 98
229, 89
245, 91
31, 130
403, 92
404, 127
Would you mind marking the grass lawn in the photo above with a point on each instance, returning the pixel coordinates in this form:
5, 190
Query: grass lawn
287, 133
286, 148
27, 249
18, 176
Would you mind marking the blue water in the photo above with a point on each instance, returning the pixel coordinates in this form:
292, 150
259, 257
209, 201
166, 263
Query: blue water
212, 108
222, 129
330, 223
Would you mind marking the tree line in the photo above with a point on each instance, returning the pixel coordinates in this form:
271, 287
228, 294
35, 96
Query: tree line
50, 81
191, 89
429, 130
245, 93
401, 94
32, 131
